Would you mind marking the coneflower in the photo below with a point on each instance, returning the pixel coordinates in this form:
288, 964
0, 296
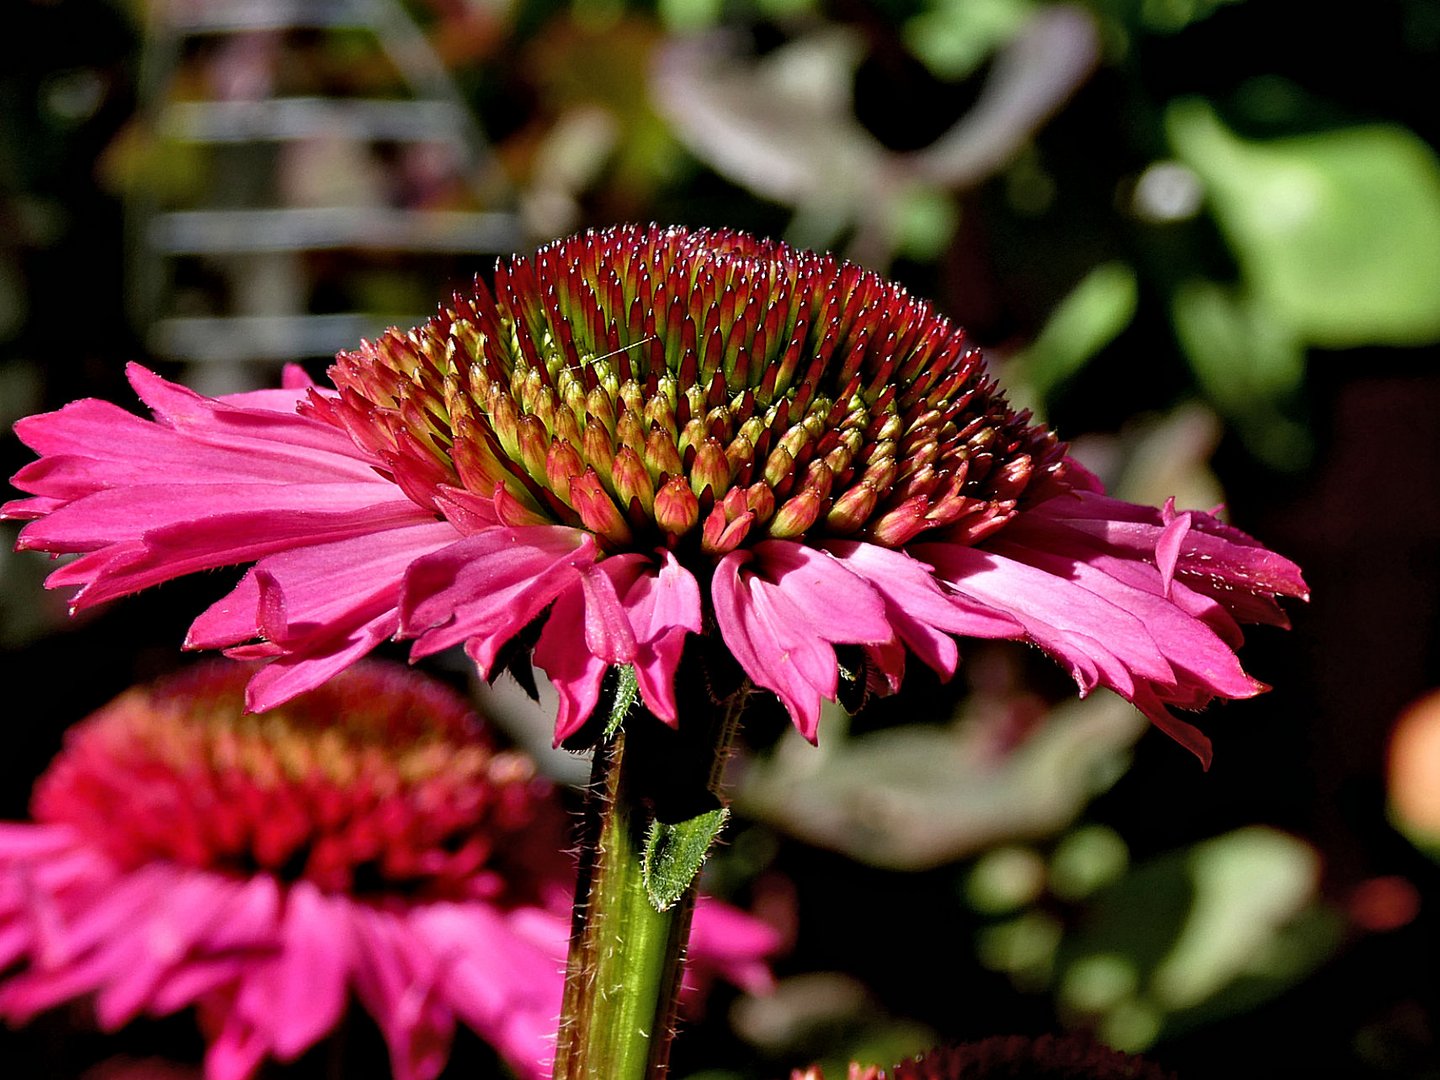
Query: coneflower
365, 842
644, 450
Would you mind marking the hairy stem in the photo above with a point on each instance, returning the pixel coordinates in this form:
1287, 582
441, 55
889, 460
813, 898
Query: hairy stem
622, 982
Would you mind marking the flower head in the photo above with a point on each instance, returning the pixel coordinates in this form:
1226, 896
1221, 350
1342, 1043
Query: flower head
365, 840
636, 436
1048, 1057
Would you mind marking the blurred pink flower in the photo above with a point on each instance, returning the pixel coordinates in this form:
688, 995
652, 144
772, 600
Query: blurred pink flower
364, 841
649, 434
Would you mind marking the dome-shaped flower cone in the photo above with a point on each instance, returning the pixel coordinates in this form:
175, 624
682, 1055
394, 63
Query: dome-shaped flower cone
1013, 1057
364, 842
648, 434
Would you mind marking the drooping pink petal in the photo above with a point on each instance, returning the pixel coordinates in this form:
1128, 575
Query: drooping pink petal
1192, 650
237, 1050
1049, 535
20, 843
94, 951
398, 982
575, 671
311, 972
1101, 642
244, 931
607, 626
922, 615
485, 588
91, 446
1171, 543
162, 942
664, 607
1186, 734
659, 606
1215, 558
277, 521
209, 484
338, 600
468, 512
254, 422
502, 983
781, 607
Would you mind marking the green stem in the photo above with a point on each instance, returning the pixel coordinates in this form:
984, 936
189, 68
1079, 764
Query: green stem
622, 981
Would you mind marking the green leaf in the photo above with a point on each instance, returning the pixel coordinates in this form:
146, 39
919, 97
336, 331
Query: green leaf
1172, 16
924, 220
688, 16
627, 692
919, 796
675, 852
954, 37
1237, 353
1336, 233
1087, 320
1195, 935
1248, 361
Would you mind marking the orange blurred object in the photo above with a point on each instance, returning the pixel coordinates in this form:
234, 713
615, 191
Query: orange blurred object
1414, 772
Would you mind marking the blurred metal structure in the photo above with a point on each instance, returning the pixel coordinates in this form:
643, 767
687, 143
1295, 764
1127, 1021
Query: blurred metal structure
248, 233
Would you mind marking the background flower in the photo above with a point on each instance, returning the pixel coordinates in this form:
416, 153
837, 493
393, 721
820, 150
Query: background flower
367, 842
1065, 1057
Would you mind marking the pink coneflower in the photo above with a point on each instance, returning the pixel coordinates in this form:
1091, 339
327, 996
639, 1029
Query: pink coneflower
1012, 1057
363, 842
639, 435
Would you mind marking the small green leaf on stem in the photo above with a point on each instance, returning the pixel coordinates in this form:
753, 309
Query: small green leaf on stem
675, 852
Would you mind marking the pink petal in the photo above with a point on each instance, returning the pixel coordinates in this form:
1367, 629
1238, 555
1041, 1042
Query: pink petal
245, 930
23, 840
733, 944
577, 673
307, 996
191, 902
1222, 559
322, 584
607, 628
1189, 646
485, 588
658, 606
468, 512
664, 607
95, 948
275, 520
1170, 544
246, 423
1187, 735
312, 661
1059, 538
781, 615
397, 980
1058, 614
320, 608
922, 615
237, 1052
502, 980
827, 594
